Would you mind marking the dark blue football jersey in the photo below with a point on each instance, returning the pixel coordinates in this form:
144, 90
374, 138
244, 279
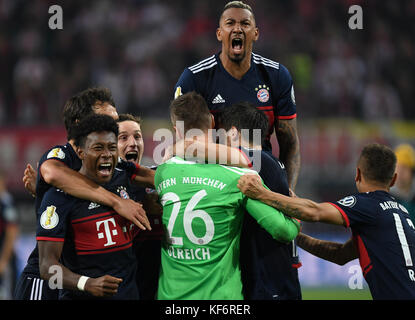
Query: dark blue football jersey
384, 235
97, 241
268, 267
67, 155
267, 85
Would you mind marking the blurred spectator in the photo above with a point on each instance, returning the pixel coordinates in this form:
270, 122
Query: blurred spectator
8, 236
404, 188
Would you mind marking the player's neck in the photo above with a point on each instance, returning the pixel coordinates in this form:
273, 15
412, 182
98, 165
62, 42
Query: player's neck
236, 69
372, 187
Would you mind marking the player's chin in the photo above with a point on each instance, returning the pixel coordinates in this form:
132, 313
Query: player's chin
236, 57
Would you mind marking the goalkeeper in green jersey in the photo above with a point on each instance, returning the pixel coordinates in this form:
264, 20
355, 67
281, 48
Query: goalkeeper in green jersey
202, 215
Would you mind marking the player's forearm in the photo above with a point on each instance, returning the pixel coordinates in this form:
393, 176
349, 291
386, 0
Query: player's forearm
211, 153
145, 177
289, 145
335, 252
303, 209
52, 268
77, 185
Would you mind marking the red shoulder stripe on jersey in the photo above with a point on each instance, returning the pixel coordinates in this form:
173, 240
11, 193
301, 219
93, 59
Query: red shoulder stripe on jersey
137, 168
345, 217
265, 108
93, 217
364, 259
293, 116
50, 239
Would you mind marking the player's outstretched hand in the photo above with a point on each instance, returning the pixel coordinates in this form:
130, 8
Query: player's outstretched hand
29, 180
251, 185
104, 286
134, 212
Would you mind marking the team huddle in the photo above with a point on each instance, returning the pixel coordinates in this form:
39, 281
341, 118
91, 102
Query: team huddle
193, 228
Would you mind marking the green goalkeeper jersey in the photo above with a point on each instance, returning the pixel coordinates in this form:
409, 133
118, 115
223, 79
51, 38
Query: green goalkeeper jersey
202, 215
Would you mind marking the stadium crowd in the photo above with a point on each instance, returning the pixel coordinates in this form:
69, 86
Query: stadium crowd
137, 48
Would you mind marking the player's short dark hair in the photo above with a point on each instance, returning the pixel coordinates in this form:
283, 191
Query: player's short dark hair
238, 5
128, 117
192, 109
377, 163
93, 123
243, 115
81, 105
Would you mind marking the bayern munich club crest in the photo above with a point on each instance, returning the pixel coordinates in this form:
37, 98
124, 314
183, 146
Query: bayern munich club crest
123, 192
262, 93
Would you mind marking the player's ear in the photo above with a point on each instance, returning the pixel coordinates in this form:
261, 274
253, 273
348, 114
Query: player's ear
212, 121
392, 183
256, 34
234, 134
358, 176
80, 152
218, 35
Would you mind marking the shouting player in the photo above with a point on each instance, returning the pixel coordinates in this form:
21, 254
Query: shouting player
383, 233
202, 214
237, 74
147, 243
58, 167
87, 245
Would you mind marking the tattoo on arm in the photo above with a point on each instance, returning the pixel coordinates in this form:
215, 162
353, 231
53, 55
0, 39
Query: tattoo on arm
293, 212
289, 149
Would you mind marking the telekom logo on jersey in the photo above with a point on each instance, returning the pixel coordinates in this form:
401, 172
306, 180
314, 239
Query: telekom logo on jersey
103, 231
107, 231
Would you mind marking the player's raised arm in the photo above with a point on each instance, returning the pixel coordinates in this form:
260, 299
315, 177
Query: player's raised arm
303, 209
210, 152
289, 145
77, 185
339, 253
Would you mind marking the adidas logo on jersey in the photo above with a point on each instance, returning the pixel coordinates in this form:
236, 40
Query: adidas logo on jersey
218, 99
93, 205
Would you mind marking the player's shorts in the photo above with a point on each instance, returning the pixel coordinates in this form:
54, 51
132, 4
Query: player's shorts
31, 287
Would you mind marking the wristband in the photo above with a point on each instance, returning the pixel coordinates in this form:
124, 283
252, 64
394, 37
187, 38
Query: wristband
81, 283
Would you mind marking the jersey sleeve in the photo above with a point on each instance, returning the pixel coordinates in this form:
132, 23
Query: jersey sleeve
58, 153
285, 107
352, 208
129, 167
53, 216
278, 225
184, 84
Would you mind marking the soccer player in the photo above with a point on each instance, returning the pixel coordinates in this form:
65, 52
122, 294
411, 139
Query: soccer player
203, 214
88, 246
58, 167
269, 268
237, 74
147, 244
383, 233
